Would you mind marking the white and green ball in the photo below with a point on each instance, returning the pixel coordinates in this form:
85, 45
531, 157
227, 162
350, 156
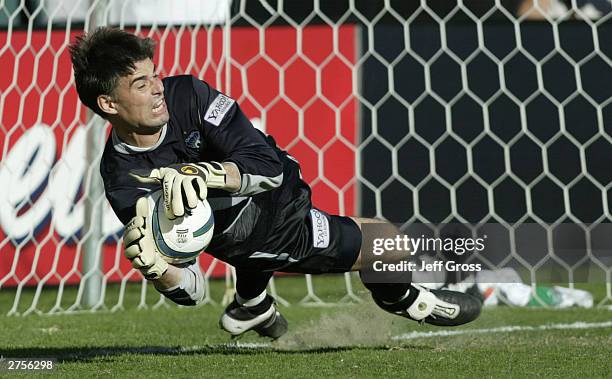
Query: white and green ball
184, 238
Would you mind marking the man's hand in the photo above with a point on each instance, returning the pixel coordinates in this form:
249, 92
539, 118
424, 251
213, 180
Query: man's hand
139, 244
184, 183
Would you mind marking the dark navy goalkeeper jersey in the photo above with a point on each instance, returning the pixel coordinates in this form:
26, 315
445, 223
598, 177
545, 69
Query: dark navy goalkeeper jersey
206, 125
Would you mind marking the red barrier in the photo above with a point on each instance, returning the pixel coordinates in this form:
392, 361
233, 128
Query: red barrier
41, 126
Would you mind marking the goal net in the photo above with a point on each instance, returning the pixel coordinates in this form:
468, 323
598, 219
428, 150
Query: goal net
480, 113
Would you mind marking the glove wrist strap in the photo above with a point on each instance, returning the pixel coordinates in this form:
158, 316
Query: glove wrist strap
157, 270
216, 177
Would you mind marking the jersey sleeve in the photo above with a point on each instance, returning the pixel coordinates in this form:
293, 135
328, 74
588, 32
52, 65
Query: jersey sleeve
229, 132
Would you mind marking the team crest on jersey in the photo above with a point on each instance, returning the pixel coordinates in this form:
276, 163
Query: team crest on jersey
193, 140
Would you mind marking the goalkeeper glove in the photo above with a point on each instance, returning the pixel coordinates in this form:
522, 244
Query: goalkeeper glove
139, 243
184, 182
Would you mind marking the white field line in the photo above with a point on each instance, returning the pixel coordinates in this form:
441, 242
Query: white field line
504, 329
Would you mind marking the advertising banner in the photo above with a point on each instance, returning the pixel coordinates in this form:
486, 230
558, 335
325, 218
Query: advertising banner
301, 93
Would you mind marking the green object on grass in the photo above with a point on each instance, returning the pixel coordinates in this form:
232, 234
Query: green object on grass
545, 296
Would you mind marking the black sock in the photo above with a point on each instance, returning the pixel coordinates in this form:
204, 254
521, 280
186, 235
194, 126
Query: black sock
250, 284
387, 292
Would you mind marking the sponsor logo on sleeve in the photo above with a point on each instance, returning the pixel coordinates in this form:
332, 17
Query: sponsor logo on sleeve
320, 229
217, 110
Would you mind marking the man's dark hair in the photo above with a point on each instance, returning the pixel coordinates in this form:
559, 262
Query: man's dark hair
103, 56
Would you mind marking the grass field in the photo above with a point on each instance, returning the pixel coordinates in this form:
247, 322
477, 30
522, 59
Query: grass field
339, 341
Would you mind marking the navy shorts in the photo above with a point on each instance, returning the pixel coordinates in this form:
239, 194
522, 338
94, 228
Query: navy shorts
305, 240
333, 245
280, 230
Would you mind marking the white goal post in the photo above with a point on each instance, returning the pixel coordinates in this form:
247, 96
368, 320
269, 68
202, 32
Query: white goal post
413, 111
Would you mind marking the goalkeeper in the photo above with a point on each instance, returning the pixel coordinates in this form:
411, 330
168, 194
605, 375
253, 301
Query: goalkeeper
163, 132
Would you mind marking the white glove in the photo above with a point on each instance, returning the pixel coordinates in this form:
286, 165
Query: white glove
184, 182
139, 243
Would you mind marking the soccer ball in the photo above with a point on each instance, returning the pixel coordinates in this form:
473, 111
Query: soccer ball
184, 238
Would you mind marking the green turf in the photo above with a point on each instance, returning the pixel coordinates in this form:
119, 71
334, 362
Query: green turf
342, 341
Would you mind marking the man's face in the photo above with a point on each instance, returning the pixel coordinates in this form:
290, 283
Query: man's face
139, 100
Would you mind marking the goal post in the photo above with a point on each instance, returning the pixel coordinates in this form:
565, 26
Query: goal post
480, 113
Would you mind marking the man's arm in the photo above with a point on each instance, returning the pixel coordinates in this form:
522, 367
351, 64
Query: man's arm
184, 285
233, 178
169, 279
232, 138
184, 184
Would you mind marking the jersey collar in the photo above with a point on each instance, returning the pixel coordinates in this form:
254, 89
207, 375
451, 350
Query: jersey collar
124, 148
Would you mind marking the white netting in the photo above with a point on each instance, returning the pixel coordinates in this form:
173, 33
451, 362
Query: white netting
413, 111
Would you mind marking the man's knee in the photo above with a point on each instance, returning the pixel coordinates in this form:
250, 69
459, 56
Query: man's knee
191, 290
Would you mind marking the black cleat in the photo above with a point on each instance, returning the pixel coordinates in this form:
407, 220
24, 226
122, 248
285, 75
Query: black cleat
262, 318
435, 307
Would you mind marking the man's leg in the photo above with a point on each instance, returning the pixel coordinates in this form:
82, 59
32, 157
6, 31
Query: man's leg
253, 308
251, 285
397, 283
183, 284
394, 292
